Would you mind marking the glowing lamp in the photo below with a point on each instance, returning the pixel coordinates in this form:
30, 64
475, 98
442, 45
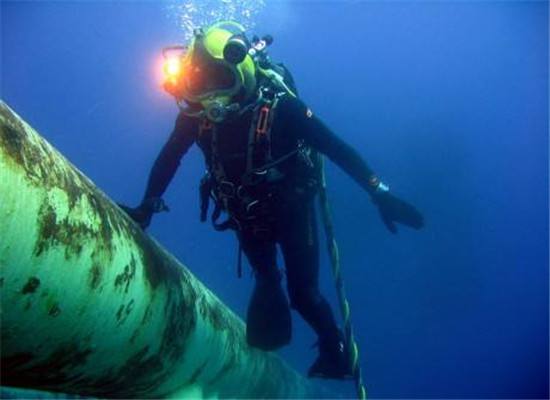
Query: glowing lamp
172, 67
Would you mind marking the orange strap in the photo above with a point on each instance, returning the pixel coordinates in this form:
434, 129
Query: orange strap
263, 121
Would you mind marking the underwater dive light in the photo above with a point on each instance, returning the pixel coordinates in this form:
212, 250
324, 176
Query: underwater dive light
173, 69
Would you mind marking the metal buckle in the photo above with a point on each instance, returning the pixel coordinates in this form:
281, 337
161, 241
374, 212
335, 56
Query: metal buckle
251, 206
255, 177
227, 189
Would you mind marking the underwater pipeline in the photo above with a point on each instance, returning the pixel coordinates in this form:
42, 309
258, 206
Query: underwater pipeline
93, 306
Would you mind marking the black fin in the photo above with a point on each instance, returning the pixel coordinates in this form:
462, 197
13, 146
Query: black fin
268, 323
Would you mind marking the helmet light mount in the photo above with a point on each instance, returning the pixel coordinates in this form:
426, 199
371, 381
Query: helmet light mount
173, 69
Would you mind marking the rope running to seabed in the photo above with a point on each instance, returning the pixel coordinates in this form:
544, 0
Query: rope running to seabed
339, 282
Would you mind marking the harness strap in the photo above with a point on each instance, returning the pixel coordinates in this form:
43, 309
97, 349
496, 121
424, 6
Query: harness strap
252, 139
218, 173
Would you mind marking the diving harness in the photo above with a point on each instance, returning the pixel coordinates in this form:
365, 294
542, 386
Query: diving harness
246, 201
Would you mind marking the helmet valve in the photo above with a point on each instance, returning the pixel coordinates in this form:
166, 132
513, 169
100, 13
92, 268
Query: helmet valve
217, 111
236, 49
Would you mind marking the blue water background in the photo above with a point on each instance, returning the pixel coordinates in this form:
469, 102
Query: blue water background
447, 101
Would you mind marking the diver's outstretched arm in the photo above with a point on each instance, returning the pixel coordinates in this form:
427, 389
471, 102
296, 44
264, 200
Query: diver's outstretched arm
314, 132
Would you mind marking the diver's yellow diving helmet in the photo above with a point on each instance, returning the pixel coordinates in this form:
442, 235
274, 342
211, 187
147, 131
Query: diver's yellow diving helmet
215, 72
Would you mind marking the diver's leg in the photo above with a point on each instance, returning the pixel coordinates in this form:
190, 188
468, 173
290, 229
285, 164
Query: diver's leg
261, 253
268, 324
300, 247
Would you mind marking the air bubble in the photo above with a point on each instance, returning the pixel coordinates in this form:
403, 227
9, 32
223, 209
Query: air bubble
191, 14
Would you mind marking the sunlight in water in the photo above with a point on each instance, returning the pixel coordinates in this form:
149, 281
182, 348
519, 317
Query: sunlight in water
191, 14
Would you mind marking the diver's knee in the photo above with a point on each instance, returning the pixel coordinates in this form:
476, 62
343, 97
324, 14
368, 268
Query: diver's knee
305, 298
268, 276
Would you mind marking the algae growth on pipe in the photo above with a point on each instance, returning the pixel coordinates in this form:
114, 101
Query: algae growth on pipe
91, 305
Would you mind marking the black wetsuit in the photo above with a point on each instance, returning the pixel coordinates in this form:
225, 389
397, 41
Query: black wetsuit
291, 219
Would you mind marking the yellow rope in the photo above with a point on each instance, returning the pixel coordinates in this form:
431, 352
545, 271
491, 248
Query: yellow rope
339, 282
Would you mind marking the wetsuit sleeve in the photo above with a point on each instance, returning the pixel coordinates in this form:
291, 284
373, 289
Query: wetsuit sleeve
299, 120
168, 160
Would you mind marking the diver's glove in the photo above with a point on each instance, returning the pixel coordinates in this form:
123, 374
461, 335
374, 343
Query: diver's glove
143, 213
393, 209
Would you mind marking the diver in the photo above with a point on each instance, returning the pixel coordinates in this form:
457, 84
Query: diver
261, 145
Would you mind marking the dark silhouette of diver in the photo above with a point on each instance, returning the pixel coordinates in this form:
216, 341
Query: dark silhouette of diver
261, 146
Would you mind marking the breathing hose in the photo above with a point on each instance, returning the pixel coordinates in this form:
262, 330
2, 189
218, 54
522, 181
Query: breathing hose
339, 282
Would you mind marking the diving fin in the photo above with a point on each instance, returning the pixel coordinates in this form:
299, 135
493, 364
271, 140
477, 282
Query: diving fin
333, 361
268, 322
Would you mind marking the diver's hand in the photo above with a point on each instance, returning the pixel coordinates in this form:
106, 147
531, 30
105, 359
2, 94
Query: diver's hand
143, 213
393, 209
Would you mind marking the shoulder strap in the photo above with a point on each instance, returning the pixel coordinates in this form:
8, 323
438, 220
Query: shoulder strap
214, 164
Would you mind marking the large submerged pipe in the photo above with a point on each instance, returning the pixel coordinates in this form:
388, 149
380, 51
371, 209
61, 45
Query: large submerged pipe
93, 306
